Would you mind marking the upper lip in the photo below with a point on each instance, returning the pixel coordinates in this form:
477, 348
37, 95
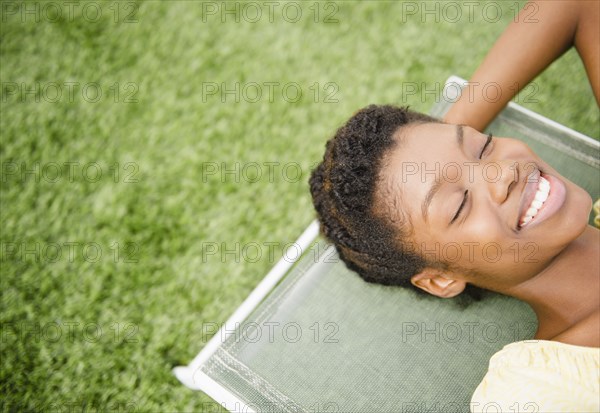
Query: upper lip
529, 189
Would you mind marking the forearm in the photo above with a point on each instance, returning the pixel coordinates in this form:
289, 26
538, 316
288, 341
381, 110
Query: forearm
542, 32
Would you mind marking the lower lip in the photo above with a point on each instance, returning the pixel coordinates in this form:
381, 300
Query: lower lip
556, 198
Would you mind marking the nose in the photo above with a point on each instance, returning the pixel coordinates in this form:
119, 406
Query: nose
500, 176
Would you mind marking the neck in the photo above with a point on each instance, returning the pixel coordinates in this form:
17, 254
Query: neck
565, 295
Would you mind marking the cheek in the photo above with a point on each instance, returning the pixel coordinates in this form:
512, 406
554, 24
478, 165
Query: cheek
579, 206
518, 149
485, 225
480, 242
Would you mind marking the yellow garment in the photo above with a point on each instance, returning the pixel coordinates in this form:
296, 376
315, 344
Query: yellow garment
540, 376
597, 211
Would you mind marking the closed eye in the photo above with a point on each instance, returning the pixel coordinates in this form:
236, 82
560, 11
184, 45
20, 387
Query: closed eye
487, 142
462, 205
466, 194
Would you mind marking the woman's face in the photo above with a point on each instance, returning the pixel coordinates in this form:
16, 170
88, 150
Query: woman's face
468, 199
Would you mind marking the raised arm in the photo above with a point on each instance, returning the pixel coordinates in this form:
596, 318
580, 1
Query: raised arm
540, 34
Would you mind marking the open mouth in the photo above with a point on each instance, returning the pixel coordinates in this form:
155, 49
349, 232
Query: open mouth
542, 196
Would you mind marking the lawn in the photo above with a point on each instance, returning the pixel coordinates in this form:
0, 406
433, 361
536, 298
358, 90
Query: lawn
155, 157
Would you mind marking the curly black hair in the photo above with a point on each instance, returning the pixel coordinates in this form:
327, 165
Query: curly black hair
343, 188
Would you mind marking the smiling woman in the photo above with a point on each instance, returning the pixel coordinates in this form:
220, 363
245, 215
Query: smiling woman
410, 201
473, 191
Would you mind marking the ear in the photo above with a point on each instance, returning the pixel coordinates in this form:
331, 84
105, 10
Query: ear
438, 283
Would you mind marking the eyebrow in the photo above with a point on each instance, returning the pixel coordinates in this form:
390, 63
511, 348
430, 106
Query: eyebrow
435, 187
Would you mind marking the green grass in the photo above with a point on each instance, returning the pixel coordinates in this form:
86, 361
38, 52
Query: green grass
164, 208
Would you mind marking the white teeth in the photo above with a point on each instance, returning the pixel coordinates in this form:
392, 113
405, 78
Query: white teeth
531, 211
541, 196
537, 204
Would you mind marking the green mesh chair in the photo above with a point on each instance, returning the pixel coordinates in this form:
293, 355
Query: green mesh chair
314, 337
